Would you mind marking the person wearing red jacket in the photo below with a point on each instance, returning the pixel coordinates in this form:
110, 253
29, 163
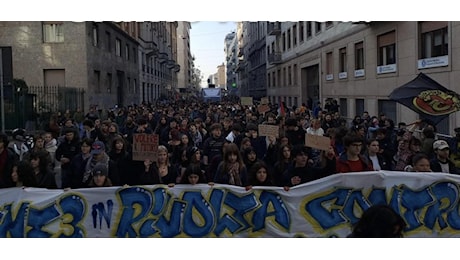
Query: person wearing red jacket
351, 159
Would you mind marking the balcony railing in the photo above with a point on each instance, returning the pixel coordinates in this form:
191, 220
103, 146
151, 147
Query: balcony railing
274, 58
162, 57
274, 28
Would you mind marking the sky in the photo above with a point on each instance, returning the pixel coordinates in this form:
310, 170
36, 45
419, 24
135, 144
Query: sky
207, 45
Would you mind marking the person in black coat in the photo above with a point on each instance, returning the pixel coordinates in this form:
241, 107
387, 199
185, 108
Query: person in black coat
300, 172
7, 159
441, 161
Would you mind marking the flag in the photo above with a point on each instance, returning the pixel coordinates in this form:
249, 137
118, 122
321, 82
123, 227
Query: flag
281, 111
428, 98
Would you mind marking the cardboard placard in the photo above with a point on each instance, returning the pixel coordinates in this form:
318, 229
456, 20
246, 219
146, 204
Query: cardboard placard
145, 146
269, 130
246, 101
318, 142
263, 108
264, 101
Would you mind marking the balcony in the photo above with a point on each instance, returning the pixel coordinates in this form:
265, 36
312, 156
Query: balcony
170, 64
176, 68
274, 28
162, 57
151, 49
274, 58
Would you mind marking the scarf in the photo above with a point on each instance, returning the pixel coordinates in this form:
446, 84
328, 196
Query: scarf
90, 165
234, 174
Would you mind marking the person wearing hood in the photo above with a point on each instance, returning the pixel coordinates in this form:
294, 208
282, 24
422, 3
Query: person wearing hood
99, 156
65, 152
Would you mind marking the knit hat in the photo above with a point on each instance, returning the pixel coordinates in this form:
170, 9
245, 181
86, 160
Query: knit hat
100, 169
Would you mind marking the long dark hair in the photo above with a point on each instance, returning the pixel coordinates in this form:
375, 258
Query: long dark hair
379, 221
193, 169
26, 174
253, 175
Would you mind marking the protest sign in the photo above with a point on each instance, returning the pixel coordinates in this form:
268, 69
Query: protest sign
318, 142
145, 146
263, 108
269, 130
246, 101
264, 100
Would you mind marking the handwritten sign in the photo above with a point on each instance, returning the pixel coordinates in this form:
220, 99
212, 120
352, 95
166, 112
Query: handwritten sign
318, 142
263, 108
246, 101
269, 130
264, 100
145, 146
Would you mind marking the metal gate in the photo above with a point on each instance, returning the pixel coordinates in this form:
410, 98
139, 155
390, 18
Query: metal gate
36, 102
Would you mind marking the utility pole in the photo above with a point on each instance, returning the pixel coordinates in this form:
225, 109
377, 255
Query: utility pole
2, 97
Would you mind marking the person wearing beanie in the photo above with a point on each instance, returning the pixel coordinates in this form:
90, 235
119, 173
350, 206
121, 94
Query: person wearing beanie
99, 176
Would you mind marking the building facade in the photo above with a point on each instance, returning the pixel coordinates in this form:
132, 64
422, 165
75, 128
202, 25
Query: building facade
360, 64
184, 57
231, 46
115, 63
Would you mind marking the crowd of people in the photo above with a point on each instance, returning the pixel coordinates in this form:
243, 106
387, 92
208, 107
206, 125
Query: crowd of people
218, 143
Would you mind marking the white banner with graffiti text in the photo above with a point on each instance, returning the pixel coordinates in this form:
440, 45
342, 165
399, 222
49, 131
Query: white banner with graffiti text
429, 203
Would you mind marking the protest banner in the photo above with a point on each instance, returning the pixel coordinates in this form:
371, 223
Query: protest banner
246, 101
318, 142
328, 207
145, 146
269, 130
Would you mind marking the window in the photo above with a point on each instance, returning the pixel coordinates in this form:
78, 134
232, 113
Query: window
289, 76
134, 86
284, 41
317, 27
95, 35
294, 35
359, 56
134, 55
53, 32
329, 63
388, 107
329, 24
118, 47
343, 107
129, 84
359, 104
97, 78
289, 38
274, 79
434, 39
278, 78
386, 49
343, 60
109, 41
301, 33
309, 33
284, 77
268, 80
127, 52
295, 74
54, 77
109, 82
